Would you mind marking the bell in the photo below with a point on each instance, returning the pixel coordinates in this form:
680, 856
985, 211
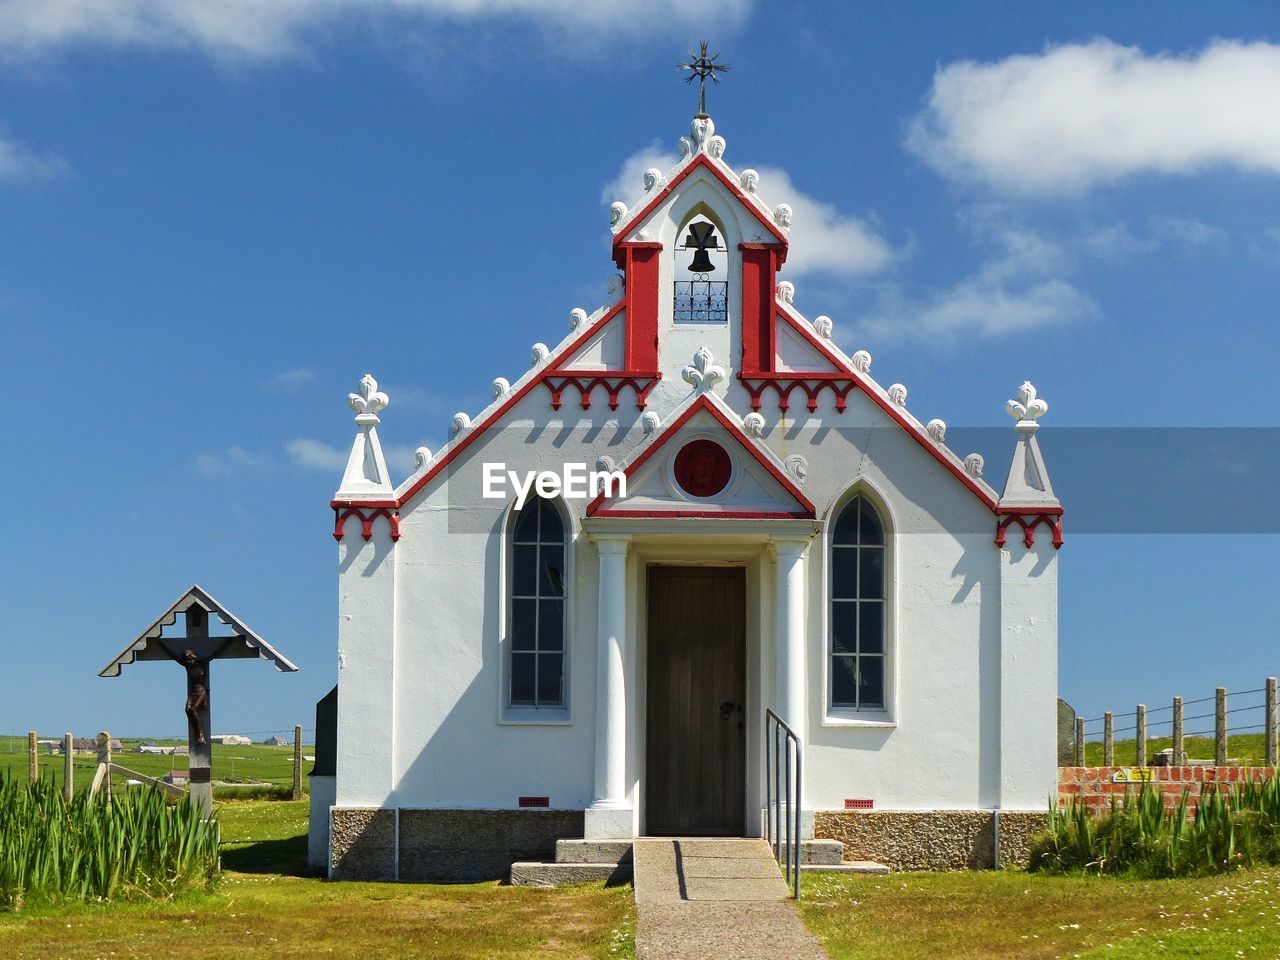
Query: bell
701, 262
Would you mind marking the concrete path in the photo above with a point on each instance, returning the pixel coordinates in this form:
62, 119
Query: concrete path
715, 899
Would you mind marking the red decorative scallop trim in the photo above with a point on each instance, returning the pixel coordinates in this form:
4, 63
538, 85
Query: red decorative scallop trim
367, 512
1050, 517
811, 383
613, 381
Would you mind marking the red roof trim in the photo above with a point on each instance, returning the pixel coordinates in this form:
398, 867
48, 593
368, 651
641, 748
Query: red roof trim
703, 403
701, 160
710, 514
893, 412
510, 402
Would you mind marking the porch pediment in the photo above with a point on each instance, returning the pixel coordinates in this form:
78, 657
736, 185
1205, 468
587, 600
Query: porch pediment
705, 464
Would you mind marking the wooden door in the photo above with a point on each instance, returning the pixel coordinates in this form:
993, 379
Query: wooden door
695, 770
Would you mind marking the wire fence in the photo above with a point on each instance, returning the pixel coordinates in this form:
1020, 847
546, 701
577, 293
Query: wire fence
1241, 729
247, 763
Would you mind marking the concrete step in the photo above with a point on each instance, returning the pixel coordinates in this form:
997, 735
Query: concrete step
869, 867
593, 851
530, 873
818, 851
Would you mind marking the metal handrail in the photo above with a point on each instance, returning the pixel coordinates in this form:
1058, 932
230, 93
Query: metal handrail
780, 745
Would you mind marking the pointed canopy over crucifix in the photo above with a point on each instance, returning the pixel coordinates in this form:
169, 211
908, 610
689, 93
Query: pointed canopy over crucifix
703, 67
194, 652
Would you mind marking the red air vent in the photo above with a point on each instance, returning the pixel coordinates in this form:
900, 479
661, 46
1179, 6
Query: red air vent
858, 803
535, 801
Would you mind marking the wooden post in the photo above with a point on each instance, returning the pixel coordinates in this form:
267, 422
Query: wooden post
68, 782
1220, 728
104, 756
1141, 736
33, 758
1108, 739
297, 762
1272, 751
1179, 750
200, 755
1079, 741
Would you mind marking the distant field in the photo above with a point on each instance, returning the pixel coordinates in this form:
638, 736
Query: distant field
1249, 748
256, 763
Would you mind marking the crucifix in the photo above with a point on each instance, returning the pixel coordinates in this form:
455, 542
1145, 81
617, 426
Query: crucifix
195, 652
703, 67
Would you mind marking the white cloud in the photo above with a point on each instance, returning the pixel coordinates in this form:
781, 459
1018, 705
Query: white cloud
1079, 115
822, 239
233, 460
315, 455
18, 162
1018, 287
272, 28
287, 381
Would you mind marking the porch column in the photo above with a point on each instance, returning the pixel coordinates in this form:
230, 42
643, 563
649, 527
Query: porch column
610, 816
789, 635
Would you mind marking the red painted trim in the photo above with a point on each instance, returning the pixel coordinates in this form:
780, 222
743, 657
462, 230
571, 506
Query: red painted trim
861, 381
1028, 522
620, 248
613, 381
367, 512
515, 397
710, 514
759, 348
1004, 511
701, 160
640, 351
673, 428
783, 385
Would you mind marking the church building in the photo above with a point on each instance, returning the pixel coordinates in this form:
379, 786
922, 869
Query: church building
571, 621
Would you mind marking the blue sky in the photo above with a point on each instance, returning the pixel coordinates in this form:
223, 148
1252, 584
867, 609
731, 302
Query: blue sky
215, 218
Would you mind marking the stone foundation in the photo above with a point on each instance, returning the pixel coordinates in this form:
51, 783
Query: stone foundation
443, 846
931, 839
467, 846
362, 843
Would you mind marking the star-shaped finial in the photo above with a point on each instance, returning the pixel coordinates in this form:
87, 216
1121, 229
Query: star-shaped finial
703, 66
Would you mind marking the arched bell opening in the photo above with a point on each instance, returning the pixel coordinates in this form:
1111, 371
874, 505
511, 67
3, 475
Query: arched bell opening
701, 274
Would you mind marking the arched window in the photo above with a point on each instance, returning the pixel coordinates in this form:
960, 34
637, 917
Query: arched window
858, 608
537, 615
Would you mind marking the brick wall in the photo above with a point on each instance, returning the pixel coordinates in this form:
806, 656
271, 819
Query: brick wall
1098, 785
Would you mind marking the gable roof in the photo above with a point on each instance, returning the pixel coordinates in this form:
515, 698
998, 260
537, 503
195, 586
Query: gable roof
733, 427
243, 644
721, 172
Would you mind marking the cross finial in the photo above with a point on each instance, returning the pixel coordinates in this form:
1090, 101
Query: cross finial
703, 67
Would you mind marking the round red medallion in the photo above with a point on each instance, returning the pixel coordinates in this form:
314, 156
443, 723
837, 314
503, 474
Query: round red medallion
702, 468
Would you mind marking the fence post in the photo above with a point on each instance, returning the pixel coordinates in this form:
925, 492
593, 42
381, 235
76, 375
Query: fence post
1272, 751
33, 758
68, 785
1079, 741
1108, 739
1179, 752
1220, 728
104, 756
1140, 734
297, 762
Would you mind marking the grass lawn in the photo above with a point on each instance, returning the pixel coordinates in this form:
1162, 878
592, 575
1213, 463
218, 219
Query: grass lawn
941, 916
1249, 749
264, 908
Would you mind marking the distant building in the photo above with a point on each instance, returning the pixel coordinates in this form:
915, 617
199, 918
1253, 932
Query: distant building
276, 741
230, 740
